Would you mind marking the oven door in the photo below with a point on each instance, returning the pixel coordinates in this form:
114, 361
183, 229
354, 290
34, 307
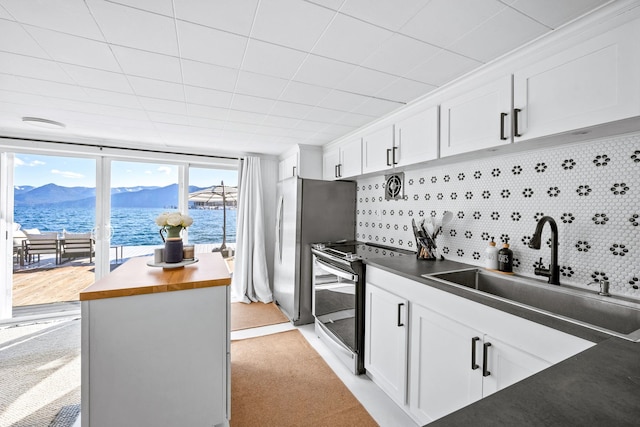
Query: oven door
334, 300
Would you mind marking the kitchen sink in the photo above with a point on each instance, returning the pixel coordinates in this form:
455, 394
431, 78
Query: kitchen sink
613, 315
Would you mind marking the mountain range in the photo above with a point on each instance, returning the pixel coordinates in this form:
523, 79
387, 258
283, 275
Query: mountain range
52, 195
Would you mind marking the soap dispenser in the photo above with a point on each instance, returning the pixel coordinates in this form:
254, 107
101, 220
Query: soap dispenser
491, 256
505, 259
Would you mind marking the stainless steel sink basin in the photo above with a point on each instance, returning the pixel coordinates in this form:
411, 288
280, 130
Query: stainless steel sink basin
612, 315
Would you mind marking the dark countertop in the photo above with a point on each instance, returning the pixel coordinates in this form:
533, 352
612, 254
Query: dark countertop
600, 386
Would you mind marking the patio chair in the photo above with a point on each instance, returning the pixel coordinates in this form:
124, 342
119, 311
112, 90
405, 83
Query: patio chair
18, 238
77, 245
40, 244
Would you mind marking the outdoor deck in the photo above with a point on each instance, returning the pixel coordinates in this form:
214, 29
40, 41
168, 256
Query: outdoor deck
46, 282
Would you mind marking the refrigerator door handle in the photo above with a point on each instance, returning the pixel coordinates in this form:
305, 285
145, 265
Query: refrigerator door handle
280, 228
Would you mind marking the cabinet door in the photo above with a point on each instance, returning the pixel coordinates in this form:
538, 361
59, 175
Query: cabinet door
442, 376
477, 119
330, 163
386, 341
377, 150
595, 82
507, 365
417, 138
351, 158
290, 166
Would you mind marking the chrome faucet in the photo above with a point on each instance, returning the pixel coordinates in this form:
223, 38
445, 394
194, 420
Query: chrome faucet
553, 272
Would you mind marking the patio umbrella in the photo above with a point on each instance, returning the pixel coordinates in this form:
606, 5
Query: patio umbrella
214, 196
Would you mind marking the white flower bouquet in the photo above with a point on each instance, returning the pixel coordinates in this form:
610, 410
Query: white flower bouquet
173, 223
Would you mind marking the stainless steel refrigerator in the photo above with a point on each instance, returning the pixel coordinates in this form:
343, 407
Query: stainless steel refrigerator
308, 211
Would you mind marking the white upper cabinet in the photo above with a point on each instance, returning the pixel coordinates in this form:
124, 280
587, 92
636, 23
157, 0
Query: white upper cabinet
416, 138
413, 138
594, 82
303, 160
377, 150
288, 166
343, 161
330, 163
479, 118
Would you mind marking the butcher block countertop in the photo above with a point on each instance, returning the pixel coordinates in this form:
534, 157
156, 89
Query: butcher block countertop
135, 277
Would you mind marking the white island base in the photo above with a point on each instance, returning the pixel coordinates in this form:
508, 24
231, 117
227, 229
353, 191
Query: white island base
156, 359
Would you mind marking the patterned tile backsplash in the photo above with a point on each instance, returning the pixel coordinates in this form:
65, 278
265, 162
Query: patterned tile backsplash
591, 189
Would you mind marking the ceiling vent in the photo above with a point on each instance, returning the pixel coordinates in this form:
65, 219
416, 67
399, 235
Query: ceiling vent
393, 189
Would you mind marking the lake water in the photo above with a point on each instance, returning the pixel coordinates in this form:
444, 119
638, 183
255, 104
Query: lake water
131, 226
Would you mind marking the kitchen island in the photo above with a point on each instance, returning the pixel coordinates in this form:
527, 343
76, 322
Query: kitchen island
155, 345
598, 386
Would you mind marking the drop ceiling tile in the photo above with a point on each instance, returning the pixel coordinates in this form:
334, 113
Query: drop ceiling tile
353, 119
290, 109
126, 26
163, 7
205, 44
53, 89
399, 54
386, 14
342, 101
32, 67
330, 4
16, 40
10, 83
273, 60
291, 23
233, 16
146, 64
499, 35
554, 13
441, 22
283, 122
365, 81
310, 125
67, 16
442, 68
90, 77
244, 117
404, 90
337, 129
377, 107
113, 98
168, 118
75, 50
260, 85
324, 115
163, 106
303, 93
209, 97
350, 40
209, 76
157, 89
4, 14
320, 71
206, 112
206, 123
251, 103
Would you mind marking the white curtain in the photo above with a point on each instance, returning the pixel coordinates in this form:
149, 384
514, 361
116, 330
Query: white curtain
250, 275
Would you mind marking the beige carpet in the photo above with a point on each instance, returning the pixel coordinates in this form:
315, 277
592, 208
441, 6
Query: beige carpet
39, 372
280, 380
245, 316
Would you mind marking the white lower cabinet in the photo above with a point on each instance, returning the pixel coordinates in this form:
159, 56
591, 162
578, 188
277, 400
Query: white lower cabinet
453, 365
434, 352
386, 341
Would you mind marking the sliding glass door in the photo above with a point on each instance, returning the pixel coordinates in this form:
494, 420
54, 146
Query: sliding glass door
140, 191
54, 213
